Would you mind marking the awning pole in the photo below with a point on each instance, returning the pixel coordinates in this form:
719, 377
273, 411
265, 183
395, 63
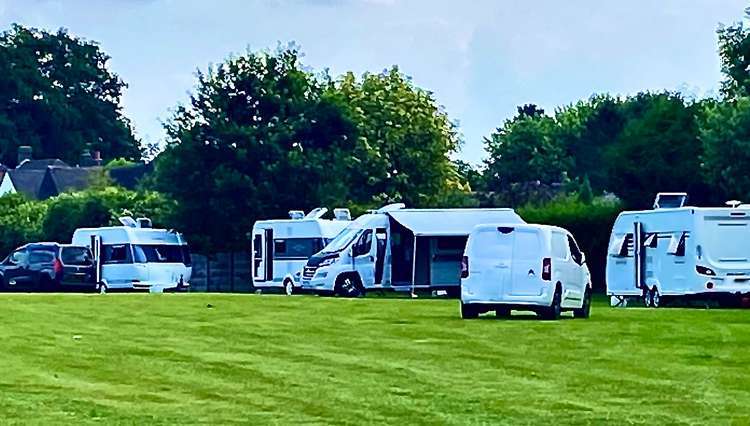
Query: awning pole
414, 267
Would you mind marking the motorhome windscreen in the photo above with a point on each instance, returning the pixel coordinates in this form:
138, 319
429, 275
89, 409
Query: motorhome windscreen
727, 240
342, 240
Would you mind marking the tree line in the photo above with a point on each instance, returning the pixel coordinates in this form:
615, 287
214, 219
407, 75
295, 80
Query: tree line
263, 134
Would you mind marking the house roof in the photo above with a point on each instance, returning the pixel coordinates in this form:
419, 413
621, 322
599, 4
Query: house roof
129, 176
41, 164
40, 184
27, 182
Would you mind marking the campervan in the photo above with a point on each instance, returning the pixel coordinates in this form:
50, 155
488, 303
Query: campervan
135, 256
281, 247
524, 267
400, 249
677, 250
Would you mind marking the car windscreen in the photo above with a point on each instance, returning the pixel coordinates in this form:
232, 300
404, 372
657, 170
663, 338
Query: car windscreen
157, 253
76, 256
342, 240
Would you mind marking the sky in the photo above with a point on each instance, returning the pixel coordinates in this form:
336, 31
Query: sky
480, 58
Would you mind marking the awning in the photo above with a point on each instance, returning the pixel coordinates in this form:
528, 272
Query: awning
451, 222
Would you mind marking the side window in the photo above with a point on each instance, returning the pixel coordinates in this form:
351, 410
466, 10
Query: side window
364, 244
559, 246
116, 253
622, 246
18, 257
37, 257
677, 244
575, 252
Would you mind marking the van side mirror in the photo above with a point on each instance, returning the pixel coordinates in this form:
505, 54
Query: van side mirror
583, 258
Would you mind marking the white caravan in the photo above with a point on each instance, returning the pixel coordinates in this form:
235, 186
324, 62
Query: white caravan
400, 249
281, 247
525, 267
676, 250
135, 256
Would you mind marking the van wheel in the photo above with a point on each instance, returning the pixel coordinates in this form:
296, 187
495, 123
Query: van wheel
348, 286
585, 310
288, 287
468, 311
655, 297
554, 310
502, 312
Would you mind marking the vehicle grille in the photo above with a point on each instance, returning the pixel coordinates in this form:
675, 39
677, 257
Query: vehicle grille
309, 272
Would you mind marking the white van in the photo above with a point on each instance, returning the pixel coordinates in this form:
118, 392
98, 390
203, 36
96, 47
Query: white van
676, 250
399, 249
137, 257
281, 247
524, 267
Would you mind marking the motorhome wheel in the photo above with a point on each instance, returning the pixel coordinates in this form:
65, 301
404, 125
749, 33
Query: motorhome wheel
468, 311
348, 286
288, 287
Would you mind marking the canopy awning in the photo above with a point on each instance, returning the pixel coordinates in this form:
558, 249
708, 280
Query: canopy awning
451, 222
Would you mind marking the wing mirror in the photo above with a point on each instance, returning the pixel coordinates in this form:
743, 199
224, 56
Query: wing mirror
583, 258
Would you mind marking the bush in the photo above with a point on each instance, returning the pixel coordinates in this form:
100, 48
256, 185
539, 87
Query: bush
590, 223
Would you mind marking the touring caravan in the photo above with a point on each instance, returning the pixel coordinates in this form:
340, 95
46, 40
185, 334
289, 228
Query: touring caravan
135, 256
281, 247
524, 267
400, 249
677, 250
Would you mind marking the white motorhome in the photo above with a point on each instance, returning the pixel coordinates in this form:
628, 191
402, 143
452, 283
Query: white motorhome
400, 249
137, 257
524, 267
677, 250
281, 247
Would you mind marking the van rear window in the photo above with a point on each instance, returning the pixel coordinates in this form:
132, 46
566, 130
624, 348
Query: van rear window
491, 244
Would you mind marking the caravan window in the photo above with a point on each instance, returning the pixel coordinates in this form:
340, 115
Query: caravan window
296, 248
116, 253
621, 245
677, 244
157, 253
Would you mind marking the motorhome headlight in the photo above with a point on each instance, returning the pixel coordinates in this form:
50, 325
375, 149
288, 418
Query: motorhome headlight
329, 261
705, 271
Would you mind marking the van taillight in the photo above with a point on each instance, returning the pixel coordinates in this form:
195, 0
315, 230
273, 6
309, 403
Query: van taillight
57, 266
547, 269
464, 267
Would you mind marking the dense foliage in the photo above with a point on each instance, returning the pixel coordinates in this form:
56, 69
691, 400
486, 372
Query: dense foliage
57, 95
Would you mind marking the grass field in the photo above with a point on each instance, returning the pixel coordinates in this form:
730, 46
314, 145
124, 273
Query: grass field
143, 359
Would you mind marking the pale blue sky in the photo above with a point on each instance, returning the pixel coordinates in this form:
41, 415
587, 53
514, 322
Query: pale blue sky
481, 58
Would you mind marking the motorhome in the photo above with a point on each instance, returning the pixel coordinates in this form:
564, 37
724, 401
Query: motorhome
536, 268
678, 250
281, 247
136, 256
400, 249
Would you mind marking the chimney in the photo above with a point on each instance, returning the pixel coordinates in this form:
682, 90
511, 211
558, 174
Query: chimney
24, 153
86, 159
97, 158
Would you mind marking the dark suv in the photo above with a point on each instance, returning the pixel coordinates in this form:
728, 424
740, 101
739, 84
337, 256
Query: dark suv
48, 267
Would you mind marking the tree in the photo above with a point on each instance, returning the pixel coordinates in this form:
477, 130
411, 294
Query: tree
261, 136
403, 144
657, 150
57, 95
526, 148
725, 135
734, 53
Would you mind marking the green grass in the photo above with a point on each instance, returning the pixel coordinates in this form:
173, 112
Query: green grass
138, 359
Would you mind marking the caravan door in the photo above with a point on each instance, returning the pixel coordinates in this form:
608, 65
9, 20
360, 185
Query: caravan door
261, 256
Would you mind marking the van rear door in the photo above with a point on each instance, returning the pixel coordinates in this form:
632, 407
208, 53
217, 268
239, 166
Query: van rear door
489, 262
527, 263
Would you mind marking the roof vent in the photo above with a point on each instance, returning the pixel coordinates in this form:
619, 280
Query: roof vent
342, 214
296, 214
670, 200
733, 203
128, 221
144, 222
391, 207
317, 213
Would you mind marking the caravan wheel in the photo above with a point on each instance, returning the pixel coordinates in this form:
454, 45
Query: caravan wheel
288, 287
102, 288
646, 297
655, 297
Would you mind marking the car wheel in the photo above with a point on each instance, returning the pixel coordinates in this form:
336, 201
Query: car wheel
585, 310
469, 311
554, 310
288, 287
655, 297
